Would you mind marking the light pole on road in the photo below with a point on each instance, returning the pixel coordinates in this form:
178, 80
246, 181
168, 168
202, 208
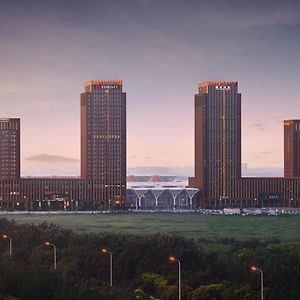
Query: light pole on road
7, 237
104, 251
173, 259
258, 270
54, 253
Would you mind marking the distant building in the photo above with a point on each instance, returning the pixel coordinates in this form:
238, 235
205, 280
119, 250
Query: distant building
292, 148
217, 138
217, 182
103, 159
103, 136
53, 194
218, 155
9, 148
162, 198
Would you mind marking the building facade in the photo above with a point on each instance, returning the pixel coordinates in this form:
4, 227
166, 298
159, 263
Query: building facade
10, 148
292, 148
103, 136
102, 184
218, 155
54, 194
217, 138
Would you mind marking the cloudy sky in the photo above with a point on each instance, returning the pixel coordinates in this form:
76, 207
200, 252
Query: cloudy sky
161, 49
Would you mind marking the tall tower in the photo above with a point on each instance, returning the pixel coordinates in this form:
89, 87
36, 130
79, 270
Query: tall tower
103, 136
291, 148
9, 148
217, 139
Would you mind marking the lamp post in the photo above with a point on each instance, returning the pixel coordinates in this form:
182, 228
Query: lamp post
258, 270
7, 237
104, 251
173, 259
54, 253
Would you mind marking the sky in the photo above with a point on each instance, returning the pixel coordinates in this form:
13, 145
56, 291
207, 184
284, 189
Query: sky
161, 49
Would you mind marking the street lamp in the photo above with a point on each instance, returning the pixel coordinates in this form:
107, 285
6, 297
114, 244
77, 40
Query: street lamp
104, 251
7, 237
258, 270
173, 259
54, 252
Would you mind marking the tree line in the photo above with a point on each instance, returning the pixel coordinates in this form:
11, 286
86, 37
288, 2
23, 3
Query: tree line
218, 270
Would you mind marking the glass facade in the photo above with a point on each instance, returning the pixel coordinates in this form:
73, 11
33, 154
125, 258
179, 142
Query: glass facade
9, 148
103, 136
292, 148
218, 154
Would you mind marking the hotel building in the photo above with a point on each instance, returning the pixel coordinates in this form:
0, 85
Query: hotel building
217, 138
103, 159
103, 136
218, 155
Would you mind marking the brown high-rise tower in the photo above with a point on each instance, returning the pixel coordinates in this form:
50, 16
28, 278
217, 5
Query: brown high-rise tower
217, 139
103, 136
10, 148
292, 148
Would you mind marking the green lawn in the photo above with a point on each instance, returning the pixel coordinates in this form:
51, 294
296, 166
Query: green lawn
211, 227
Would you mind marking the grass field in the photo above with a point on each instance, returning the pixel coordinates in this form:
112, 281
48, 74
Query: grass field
210, 227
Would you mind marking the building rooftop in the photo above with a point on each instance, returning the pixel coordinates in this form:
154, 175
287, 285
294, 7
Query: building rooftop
103, 82
214, 83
